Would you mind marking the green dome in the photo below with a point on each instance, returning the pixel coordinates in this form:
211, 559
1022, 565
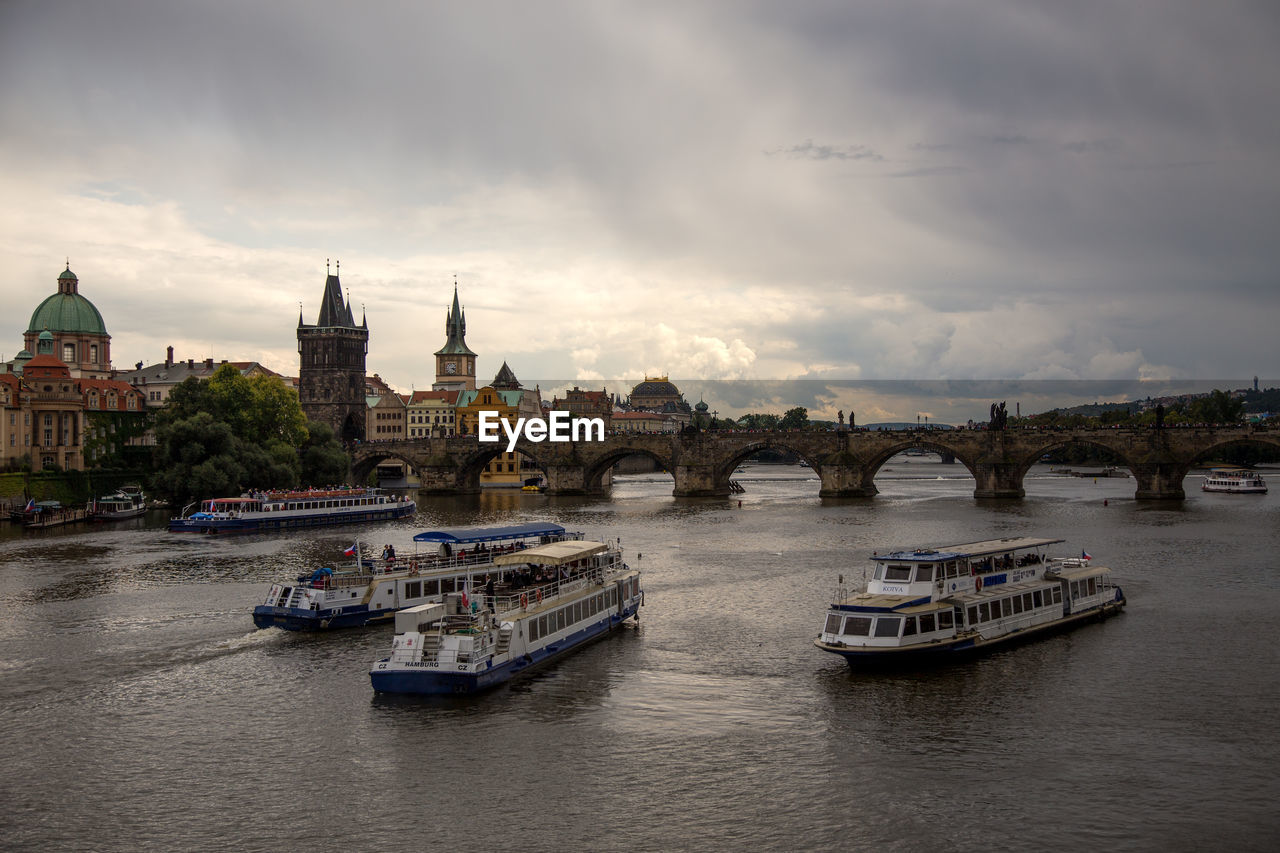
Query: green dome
67, 275
67, 312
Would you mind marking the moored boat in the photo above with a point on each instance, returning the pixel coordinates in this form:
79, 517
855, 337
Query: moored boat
266, 511
1234, 481
932, 602
372, 590
127, 502
466, 644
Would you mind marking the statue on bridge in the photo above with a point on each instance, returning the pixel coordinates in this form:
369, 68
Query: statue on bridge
840, 416
999, 416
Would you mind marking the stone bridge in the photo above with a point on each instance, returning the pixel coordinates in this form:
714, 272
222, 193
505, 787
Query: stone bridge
846, 461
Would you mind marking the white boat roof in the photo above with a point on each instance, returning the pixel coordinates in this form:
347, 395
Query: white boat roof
971, 549
1076, 573
551, 554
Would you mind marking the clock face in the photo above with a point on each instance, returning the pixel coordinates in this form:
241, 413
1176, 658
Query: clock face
450, 367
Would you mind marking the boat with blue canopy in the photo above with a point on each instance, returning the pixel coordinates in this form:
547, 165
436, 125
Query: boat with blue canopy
372, 589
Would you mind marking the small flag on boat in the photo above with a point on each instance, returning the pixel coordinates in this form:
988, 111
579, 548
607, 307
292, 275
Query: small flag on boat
350, 552
31, 506
1085, 555
465, 601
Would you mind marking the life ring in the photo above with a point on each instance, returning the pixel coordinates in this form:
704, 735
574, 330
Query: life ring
524, 601
539, 594
413, 567
977, 583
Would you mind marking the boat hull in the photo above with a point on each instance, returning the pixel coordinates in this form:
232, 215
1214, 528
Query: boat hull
298, 619
435, 681
867, 657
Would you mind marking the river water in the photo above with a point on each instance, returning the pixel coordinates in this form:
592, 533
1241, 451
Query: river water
141, 709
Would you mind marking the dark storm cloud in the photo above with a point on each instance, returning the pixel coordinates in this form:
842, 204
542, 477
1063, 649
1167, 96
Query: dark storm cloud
1106, 169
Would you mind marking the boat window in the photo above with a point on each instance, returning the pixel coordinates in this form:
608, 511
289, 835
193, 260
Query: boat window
897, 573
909, 626
833, 623
1026, 601
857, 626
431, 587
1038, 598
413, 589
944, 619
924, 572
952, 571
1093, 586
888, 626
533, 630
542, 626
984, 612
1057, 595
973, 614
1075, 589
560, 620
926, 623
879, 572
1007, 606
1017, 604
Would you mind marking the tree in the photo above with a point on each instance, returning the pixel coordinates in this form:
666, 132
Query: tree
797, 418
323, 459
232, 433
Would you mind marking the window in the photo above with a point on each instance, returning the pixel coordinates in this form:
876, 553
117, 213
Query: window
857, 626
924, 572
888, 626
926, 623
1017, 604
833, 623
1038, 598
944, 619
1057, 595
93, 353
897, 573
1027, 603
973, 614
413, 589
908, 626
68, 353
1007, 606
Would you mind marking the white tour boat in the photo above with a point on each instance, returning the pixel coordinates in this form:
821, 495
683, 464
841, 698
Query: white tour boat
468, 643
1235, 480
933, 602
267, 511
372, 590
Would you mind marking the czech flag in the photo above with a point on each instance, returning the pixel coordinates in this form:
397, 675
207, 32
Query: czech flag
466, 602
1085, 555
31, 506
350, 552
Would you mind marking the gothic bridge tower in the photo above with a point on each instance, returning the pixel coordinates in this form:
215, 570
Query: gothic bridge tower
455, 362
331, 368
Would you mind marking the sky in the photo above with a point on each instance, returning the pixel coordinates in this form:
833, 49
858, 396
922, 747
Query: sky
1013, 190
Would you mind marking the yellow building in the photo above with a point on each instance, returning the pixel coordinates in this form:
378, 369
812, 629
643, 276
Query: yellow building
508, 400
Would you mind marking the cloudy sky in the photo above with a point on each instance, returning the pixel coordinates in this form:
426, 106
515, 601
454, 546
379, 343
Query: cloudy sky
908, 189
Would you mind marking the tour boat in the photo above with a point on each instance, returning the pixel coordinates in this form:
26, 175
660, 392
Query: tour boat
287, 510
371, 590
128, 502
932, 602
471, 642
1235, 480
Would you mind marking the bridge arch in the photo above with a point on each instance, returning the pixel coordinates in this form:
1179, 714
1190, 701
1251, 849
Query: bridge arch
728, 464
877, 461
472, 466
594, 471
366, 458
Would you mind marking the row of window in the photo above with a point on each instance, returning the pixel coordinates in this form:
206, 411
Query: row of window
558, 620
944, 620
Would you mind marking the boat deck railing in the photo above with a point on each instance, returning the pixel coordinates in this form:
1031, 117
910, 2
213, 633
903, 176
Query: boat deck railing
369, 570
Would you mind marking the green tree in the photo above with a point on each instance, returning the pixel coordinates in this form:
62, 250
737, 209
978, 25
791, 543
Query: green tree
323, 459
797, 418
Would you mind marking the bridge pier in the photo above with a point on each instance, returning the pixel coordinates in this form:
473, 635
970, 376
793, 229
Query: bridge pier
845, 481
442, 480
699, 481
1159, 481
998, 480
569, 480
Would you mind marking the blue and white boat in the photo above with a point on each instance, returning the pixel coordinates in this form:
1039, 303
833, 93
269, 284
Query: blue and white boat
372, 590
564, 595
934, 602
269, 511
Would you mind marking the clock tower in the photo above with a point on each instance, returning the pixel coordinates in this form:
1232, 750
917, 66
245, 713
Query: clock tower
455, 362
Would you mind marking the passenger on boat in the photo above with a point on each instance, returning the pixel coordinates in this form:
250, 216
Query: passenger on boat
490, 592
